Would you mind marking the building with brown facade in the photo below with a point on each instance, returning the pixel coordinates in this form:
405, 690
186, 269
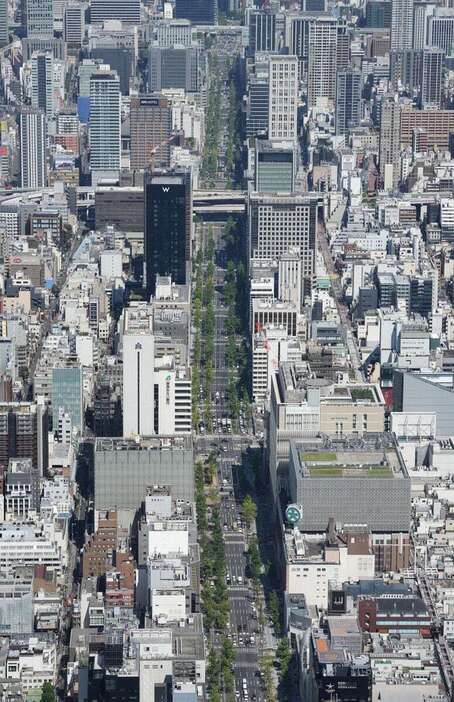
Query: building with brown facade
151, 125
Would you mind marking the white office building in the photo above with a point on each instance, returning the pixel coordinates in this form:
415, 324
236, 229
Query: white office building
322, 61
105, 124
402, 25
33, 138
40, 18
157, 394
280, 223
138, 373
283, 98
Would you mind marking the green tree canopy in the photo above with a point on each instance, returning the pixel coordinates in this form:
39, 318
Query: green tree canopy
48, 693
249, 509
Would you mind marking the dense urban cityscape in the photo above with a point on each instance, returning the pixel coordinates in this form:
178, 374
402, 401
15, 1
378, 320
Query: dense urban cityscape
227, 351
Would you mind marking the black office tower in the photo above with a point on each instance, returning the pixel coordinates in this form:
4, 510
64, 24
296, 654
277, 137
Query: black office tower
168, 225
198, 11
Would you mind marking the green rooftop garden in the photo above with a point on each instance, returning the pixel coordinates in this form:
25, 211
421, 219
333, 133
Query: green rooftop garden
362, 394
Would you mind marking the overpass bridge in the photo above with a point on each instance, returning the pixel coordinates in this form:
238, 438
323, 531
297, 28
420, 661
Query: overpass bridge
205, 202
221, 202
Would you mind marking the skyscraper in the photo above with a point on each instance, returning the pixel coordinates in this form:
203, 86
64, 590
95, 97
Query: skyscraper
262, 31
283, 98
33, 138
257, 108
348, 100
343, 47
440, 29
24, 433
378, 13
432, 70
127, 11
73, 24
322, 60
421, 11
390, 143
402, 25
278, 223
168, 33
67, 395
40, 18
151, 125
405, 69
4, 37
105, 123
176, 67
168, 226
43, 83
275, 166
198, 11
138, 372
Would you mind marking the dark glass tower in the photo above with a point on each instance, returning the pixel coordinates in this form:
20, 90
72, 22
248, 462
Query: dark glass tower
168, 224
198, 11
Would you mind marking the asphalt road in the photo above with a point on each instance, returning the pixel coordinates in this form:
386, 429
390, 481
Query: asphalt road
231, 450
243, 615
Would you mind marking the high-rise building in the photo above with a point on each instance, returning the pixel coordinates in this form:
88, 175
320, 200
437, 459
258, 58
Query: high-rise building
73, 24
343, 47
169, 33
283, 98
440, 29
43, 83
67, 395
33, 136
40, 18
168, 226
432, 70
348, 100
138, 372
402, 25
278, 223
4, 35
297, 35
127, 11
156, 392
105, 123
438, 125
421, 11
176, 67
322, 60
151, 126
313, 6
24, 433
275, 166
120, 59
257, 108
378, 14
262, 31
405, 69
87, 68
390, 143
198, 11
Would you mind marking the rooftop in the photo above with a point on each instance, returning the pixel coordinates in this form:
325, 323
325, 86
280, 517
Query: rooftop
372, 457
147, 443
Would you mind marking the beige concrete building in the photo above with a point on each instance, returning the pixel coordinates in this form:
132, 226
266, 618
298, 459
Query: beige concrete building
352, 409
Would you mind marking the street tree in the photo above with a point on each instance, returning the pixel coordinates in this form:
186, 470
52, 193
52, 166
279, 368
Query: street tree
48, 693
249, 509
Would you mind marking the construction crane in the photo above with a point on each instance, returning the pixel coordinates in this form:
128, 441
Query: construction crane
154, 149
